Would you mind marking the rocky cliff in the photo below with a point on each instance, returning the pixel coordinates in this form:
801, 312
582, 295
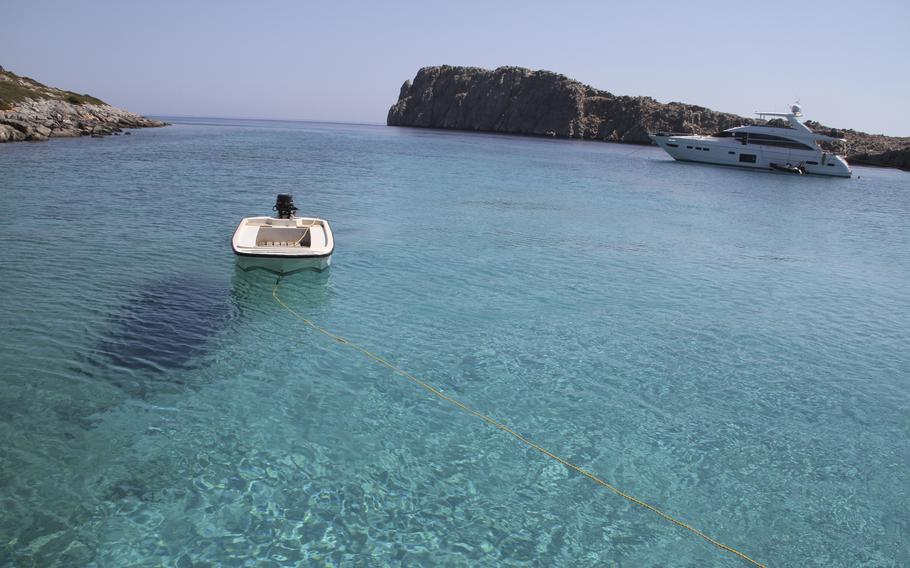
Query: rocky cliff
520, 101
30, 110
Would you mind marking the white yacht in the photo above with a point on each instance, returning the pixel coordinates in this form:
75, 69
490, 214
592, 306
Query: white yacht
283, 244
793, 149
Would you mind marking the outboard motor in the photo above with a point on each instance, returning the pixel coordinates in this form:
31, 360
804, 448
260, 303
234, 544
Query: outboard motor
284, 205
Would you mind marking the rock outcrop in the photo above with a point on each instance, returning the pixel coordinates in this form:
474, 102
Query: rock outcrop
30, 110
870, 149
542, 103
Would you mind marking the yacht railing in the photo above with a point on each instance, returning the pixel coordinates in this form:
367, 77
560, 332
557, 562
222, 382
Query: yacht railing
663, 133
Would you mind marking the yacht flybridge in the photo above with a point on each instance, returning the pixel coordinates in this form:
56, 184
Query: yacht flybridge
793, 149
283, 244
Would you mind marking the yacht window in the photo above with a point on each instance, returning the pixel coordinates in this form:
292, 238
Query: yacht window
689, 147
706, 149
672, 145
750, 158
731, 152
779, 141
811, 162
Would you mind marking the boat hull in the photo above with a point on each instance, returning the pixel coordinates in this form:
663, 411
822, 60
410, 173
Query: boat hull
728, 152
282, 245
283, 265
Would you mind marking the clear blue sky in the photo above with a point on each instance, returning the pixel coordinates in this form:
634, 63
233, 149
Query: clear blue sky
345, 61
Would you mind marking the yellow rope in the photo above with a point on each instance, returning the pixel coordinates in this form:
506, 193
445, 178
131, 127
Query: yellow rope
504, 428
306, 230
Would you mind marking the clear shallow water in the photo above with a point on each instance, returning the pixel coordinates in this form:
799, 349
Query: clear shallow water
730, 346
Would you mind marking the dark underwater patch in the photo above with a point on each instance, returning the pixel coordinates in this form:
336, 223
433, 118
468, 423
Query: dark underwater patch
166, 326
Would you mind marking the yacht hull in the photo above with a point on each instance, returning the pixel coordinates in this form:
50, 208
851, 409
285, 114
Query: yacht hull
729, 152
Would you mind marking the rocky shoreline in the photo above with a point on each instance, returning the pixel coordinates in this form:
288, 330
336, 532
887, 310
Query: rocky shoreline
43, 119
515, 100
31, 111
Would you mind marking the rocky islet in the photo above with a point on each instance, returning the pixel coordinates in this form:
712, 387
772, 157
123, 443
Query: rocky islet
516, 100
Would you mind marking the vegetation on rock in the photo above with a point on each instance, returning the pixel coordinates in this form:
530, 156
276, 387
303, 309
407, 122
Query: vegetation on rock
30, 110
15, 89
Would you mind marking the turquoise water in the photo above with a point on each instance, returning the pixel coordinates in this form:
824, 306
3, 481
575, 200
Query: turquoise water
730, 346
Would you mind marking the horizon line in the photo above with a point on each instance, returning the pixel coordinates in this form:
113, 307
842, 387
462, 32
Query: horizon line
273, 119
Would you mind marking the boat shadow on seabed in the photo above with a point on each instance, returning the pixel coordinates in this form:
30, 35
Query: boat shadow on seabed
174, 325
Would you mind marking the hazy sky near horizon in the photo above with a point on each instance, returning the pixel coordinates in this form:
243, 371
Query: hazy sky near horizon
345, 61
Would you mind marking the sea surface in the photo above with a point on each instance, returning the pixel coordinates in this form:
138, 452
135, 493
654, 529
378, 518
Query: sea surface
730, 346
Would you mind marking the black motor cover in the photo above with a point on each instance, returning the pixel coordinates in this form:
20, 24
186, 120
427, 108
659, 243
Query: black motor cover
284, 205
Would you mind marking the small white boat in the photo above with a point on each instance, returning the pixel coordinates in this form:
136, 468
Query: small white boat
285, 243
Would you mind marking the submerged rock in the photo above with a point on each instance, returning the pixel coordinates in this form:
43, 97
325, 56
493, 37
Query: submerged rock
162, 328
